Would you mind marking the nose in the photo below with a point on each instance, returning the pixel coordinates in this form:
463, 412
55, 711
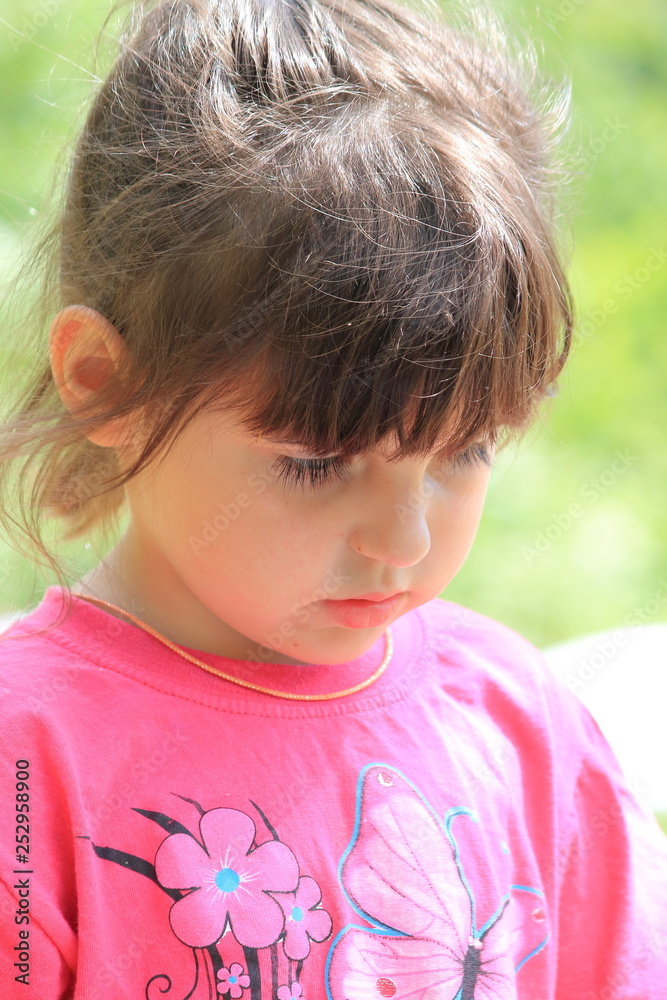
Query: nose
391, 524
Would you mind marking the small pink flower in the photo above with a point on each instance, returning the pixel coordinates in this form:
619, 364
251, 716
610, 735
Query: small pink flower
233, 980
293, 992
230, 883
302, 919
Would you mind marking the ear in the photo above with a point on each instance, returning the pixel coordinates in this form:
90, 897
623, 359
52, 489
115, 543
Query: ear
86, 353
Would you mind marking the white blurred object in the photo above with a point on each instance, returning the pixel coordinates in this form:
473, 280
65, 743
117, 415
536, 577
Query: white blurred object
621, 677
6, 620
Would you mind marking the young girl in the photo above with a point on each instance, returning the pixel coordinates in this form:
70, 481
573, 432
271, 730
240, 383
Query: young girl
307, 278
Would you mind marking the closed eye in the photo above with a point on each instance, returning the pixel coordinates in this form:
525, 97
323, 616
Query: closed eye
296, 471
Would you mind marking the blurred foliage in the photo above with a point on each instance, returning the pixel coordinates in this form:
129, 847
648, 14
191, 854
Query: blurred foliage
547, 568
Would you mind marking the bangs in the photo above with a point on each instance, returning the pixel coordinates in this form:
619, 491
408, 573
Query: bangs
336, 219
409, 311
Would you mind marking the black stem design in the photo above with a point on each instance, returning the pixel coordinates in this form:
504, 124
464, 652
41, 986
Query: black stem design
274, 968
252, 965
217, 963
145, 868
209, 983
271, 829
192, 802
135, 864
162, 975
166, 822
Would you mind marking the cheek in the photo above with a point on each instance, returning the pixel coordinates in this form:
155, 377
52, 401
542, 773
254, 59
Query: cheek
190, 506
290, 529
457, 513
242, 521
469, 502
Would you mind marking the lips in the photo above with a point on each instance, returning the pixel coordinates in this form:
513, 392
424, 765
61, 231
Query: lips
375, 598
364, 612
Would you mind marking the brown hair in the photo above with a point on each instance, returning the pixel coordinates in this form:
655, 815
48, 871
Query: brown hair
335, 217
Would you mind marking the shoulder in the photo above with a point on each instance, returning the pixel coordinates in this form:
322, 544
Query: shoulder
463, 624
486, 663
459, 635
501, 675
38, 667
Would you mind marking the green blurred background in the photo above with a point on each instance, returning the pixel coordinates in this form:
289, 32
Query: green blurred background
546, 568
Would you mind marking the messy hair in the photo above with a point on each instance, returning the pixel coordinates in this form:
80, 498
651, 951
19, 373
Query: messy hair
334, 218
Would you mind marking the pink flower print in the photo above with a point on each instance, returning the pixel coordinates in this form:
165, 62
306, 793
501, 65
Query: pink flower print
293, 992
302, 920
230, 882
232, 980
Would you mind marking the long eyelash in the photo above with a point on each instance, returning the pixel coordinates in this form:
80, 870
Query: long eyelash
473, 455
295, 470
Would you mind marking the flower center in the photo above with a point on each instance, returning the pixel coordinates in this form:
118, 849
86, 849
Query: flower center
297, 913
231, 979
227, 880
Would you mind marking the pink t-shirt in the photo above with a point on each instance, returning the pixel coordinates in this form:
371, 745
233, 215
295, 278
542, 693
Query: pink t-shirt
460, 829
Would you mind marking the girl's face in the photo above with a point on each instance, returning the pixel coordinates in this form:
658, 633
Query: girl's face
231, 548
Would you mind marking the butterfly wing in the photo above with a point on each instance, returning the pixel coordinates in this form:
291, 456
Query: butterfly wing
522, 931
368, 965
400, 874
399, 869
517, 927
405, 872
